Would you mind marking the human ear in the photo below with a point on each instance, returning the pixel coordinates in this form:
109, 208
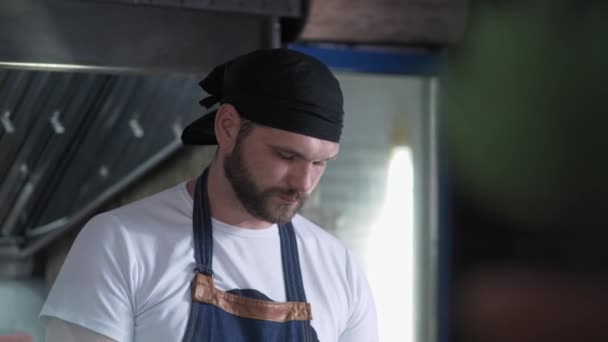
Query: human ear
226, 126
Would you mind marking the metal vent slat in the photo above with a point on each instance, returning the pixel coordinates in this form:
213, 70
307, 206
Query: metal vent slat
37, 137
155, 127
13, 88
79, 138
24, 113
87, 177
89, 153
78, 116
21, 100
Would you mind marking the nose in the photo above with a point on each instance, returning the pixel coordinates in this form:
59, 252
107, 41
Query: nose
302, 177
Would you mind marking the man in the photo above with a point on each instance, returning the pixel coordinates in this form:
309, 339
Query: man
226, 257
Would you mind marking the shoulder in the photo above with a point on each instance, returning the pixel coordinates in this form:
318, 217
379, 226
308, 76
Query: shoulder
163, 206
168, 208
99, 230
140, 226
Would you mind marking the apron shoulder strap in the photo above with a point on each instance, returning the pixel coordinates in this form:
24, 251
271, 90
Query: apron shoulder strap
201, 224
294, 286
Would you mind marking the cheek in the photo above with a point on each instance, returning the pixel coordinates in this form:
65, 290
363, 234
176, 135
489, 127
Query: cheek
317, 173
270, 172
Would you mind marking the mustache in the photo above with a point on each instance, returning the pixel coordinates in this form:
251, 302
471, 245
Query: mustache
289, 193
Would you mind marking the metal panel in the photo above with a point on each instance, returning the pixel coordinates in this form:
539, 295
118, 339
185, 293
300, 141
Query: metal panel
289, 8
13, 87
86, 174
113, 37
36, 137
78, 116
20, 99
83, 137
42, 177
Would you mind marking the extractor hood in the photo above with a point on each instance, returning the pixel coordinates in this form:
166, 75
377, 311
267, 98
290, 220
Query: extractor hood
93, 94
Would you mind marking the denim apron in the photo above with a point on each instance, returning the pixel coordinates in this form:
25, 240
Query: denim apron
243, 315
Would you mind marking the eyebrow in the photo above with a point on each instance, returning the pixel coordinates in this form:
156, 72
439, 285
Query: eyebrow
298, 154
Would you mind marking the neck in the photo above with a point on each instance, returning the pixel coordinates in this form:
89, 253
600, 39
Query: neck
223, 202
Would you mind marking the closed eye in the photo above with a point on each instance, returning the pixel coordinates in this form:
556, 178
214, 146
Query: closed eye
289, 155
286, 156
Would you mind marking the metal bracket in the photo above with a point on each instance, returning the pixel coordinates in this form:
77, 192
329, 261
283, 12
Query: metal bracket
7, 123
56, 123
136, 128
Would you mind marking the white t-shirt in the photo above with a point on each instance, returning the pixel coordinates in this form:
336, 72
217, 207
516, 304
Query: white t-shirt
128, 274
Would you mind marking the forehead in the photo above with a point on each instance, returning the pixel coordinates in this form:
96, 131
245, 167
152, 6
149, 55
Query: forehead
308, 147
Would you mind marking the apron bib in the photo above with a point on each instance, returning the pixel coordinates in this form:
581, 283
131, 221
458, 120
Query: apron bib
243, 315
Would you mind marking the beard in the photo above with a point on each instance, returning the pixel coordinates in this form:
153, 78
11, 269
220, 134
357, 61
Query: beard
259, 202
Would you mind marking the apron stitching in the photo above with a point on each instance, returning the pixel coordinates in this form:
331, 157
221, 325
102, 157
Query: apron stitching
192, 321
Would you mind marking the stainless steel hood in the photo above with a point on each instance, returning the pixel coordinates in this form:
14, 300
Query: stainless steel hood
95, 93
71, 140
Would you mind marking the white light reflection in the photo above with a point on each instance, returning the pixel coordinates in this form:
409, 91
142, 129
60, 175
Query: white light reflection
390, 252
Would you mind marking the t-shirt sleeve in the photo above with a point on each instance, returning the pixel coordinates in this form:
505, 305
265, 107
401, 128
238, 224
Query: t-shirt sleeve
94, 288
61, 331
362, 325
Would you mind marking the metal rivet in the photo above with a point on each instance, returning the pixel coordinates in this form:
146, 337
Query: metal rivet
24, 170
104, 172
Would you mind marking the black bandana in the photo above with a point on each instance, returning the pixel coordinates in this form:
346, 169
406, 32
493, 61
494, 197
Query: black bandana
278, 88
